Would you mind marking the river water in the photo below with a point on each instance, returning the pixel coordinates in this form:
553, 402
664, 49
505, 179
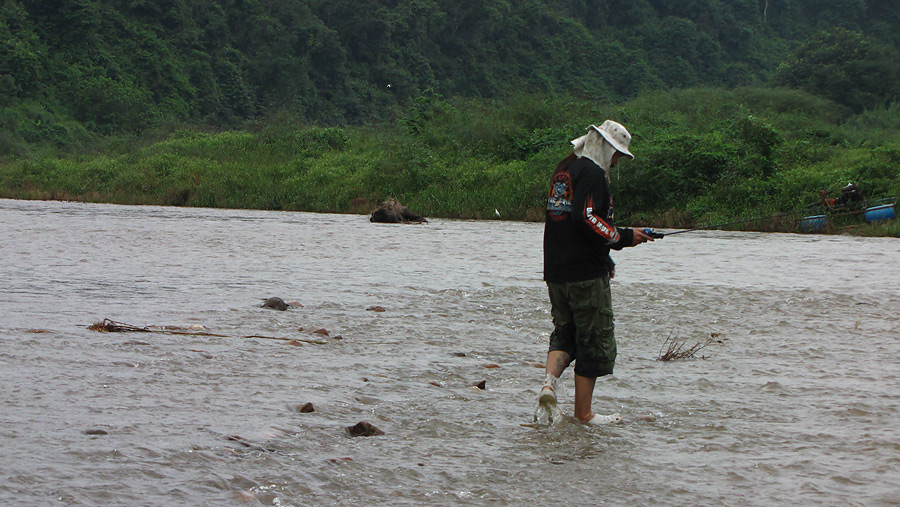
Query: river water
796, 401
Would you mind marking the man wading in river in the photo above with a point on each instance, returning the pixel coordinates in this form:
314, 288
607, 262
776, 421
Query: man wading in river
578, 234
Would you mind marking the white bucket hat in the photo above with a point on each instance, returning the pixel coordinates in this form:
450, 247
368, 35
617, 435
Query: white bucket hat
617, 136
591, 145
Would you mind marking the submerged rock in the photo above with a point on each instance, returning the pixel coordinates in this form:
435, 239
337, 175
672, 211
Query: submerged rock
363, 429
96, 431
307, 408
276, 303
392, 212
250, 445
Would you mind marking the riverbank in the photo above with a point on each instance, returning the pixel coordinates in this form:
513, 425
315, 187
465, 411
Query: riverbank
704, 156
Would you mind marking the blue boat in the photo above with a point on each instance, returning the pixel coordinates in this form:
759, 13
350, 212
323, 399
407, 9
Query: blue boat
880, 213
835, 209
813, 223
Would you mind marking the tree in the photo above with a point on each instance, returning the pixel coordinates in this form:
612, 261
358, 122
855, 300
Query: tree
21, 54
844, 66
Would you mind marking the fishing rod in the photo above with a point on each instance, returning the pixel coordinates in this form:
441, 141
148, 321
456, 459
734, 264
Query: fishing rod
654, 234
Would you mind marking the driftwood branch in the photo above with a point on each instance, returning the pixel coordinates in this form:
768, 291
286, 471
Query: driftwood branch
672, 348
111, 326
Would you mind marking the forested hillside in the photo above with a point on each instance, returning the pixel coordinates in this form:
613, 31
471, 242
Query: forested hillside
73, 69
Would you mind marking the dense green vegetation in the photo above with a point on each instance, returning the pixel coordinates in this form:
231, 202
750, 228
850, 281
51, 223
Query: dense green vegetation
703, 155
738, 108
81, 68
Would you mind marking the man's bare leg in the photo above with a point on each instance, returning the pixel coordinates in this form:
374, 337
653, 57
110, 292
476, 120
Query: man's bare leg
557, 361
584, 393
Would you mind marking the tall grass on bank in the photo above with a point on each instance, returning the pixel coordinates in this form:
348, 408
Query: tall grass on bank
703, 156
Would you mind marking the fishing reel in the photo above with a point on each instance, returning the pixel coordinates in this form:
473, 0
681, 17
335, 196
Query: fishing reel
653, 234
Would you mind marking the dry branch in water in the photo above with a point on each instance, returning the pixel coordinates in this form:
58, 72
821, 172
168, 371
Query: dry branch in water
111, 326
675, 349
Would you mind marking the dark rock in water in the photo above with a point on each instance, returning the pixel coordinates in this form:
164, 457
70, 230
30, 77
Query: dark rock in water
481, 385
96, 432
363, 429
378, 309
392, 212
247, 444
276, 304
307, 408
459, 354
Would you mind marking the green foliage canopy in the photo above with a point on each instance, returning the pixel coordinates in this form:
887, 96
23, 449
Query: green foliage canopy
119, 66
845, 67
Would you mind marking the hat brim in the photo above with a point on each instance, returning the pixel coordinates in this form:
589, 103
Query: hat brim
621, 148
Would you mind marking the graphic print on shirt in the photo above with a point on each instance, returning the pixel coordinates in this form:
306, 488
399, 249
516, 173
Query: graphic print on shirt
559, 202
604, 229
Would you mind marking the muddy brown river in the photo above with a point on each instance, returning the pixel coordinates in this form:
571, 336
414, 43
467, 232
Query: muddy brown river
797, 401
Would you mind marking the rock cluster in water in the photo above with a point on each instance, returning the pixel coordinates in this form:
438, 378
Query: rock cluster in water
363, 429
392, 212
276, 303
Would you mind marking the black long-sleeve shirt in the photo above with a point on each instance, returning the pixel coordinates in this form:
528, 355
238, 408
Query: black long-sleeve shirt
580, 229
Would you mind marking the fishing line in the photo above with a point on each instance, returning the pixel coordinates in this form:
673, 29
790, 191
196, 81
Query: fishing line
715, 226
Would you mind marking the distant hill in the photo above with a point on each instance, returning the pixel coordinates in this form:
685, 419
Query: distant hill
80, 68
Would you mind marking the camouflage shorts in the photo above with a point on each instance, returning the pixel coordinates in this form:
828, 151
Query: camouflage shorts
583, 325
